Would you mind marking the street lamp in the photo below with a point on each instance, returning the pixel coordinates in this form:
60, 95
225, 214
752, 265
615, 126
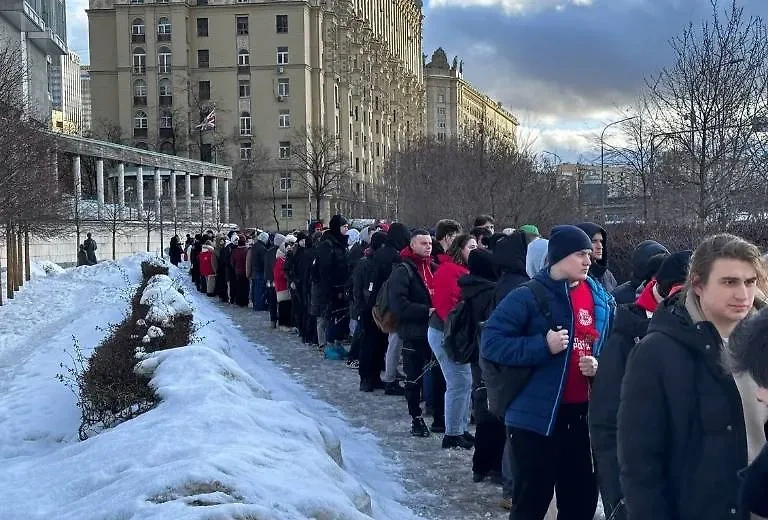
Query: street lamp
602, 163
559, 160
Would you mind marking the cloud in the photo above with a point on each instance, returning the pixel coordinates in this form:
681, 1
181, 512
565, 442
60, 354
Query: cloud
77, 28
513, 6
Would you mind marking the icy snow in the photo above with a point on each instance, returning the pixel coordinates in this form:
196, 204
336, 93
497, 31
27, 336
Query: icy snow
233, 436
164, 300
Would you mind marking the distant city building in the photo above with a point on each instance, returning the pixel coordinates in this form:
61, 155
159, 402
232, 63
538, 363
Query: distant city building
66, 91
455, 107
38, 29
85, 95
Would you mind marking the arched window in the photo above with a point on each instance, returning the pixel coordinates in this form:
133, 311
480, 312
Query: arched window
139, 61
245, 123
137, 27
140, 88
243, 58
166, 119
163, 29
165, 87
140, 119
164, 60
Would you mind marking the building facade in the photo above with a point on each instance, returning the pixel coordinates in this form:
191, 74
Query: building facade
455, 107
34, 32
85, 96
257, 79
66, 92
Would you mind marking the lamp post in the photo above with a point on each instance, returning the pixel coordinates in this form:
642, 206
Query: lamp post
602, 163
559, 160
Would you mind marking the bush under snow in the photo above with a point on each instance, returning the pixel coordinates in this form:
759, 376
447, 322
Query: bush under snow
164, 300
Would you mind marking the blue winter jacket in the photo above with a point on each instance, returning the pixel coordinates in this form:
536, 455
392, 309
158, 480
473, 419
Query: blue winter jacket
515, 335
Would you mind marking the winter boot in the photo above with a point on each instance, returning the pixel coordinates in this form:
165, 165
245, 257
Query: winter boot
393, 388
456, 441
366, 385
419, 428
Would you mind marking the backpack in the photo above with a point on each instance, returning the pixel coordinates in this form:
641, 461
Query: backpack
381, 312
459, 332
504, 382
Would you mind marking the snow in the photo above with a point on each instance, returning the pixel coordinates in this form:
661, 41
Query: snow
232, 437
164, 299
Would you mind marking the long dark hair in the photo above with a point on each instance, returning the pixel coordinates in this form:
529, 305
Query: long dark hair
456, 247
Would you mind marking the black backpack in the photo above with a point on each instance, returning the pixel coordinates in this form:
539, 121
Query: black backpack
459, 334
504, 382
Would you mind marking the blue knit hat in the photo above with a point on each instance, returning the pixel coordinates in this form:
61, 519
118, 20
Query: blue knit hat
566, 240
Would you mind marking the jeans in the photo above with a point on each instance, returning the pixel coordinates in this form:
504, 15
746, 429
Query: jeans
392, 358
458, 386
257, 293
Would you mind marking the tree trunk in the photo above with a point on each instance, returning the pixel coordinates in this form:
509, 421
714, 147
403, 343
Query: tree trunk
114, 232
317, 208
1, 280
27, 262
20, 256
11, 254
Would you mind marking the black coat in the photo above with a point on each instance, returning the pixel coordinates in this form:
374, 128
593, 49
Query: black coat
329, 274
629, 327
410, 301
509, 257
755, 493
258, 252
682, 437
599, 269
174, 252
359, 288
627, 292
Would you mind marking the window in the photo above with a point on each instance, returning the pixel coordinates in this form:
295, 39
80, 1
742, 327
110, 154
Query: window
244, 86
441, 111
357, 164
203, 58
285, 119
357, 114
163, 30
377, 150
282, 55
137, 31
283, 87
441, 136
376, 102
286, 210
285, 181
284, 150
164, 60
336, 128
165, 88
166, 120
243, 58
137, 2
441, 124
202, 26
204, 90
440, 98
377, 127
139, 61
245, 123
281, 21
357, 138
140, 88
336, 95
245, 151
140, 120
242, 24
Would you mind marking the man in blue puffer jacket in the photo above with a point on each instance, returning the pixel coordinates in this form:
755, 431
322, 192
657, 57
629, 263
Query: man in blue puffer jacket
547, 421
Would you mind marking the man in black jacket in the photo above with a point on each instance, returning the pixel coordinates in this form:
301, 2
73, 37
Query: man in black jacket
682, 436
599, 268
255, 270
410, 298
373, 342
646, 259
329, 277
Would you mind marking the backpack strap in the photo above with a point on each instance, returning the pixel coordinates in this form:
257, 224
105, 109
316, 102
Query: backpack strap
541, 300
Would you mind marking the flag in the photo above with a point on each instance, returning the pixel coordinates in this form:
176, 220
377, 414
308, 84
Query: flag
209, 123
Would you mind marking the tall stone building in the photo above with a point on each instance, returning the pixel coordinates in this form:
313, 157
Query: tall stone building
455, 107
268, 74
35, 32
66, 92
85, 93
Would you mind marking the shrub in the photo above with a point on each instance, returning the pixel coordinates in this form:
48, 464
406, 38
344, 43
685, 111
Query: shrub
150, 268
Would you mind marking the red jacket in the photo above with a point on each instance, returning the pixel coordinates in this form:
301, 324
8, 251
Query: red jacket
239, 255
281, 280
205, 258
446, 284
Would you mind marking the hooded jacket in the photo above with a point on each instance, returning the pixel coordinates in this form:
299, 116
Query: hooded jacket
446, 291
682, 436
409, 296
536, 257
627, 292
510, 257
255, 260
205, 258
515, 335
599, 268
269, 259
388, 256
330, 272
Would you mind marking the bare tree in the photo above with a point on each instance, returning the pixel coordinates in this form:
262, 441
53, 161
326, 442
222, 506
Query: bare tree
248, 179
321, 165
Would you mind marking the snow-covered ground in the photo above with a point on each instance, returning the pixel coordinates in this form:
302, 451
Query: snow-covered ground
233, 437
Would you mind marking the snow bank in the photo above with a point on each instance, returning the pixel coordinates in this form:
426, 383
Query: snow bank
165, 301
218, 445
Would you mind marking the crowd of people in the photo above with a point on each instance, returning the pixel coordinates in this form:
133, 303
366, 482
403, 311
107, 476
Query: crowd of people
652, 394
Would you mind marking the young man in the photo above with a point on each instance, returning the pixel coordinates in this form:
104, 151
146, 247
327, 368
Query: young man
599, 269
410, 297
445, 231
485, 221
682, 437
547, 421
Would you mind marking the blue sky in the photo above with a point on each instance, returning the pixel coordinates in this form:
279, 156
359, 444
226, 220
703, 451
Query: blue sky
565, 68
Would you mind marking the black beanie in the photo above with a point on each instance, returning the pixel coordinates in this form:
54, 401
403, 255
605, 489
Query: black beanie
673, 271
336, 222
480, 263
378, 239
566, 240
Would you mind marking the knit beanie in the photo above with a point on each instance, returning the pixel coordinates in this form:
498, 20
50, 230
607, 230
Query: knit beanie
480, 263
378, 239
530, 228
673, 271
566, 240
263, 237
337, 221
278, 240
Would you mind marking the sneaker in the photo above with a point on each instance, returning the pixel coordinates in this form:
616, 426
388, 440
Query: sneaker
366, 385
506, 503
393, 389
419, 427
437, 428
469, 437
352, 363
456, 441
282, 328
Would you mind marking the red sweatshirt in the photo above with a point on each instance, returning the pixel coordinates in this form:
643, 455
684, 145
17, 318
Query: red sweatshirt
584, 336
423, 267
447, 292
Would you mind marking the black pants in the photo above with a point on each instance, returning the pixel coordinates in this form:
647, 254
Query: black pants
272, 304
490, 437
561, 463
416, 355
241, 288
284, 313
373, 348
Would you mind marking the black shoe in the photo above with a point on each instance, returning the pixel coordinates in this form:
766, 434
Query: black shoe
437, 428
393, 389
456, 441
469, 437
378, 384
366, 385
477, 477
419, 427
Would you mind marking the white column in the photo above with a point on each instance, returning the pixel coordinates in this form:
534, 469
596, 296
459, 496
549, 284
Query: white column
215, 199
225, 216
201, 194
100, 185
78, 178
121, 188
172, 185
158, 193
188, 194
140, 191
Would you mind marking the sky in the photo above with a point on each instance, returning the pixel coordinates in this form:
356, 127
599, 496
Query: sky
564, 68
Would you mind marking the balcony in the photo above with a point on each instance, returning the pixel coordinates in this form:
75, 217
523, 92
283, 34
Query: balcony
138, 38
140, 100
139, 132
166, 101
